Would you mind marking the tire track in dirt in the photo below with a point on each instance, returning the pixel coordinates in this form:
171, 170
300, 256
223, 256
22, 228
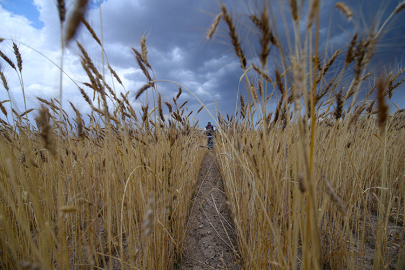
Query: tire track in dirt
211, 237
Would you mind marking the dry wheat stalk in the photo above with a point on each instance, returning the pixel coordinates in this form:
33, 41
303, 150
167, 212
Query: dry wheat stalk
265, 76
277, 112
143, 89
339, 105
256, 21
3, 109
182, 105
312, 10
7, 60
299, 82
46, 129
179, 93
3, 79
160, 109
18, 56
344, 9
334, 197
95, 84
350, 55
214, 26
370, 91
132, 112
328, 65
301, 183
30, 266
279, 82
50, 104
75, 19
86, 61
90, 29
25, 113
144, 51
254, 93
234, 37
325, 90
399, 7
316, 62
261, 89
360, 52
79, 122
86, 97
115, 74
294, 10
265, 39
140, 62
169, 106
382, 107
357, 113
61, 10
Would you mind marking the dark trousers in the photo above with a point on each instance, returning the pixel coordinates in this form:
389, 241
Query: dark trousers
210, 142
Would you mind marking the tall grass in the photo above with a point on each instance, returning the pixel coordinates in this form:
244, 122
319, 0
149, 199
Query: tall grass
112, 193
96, 196
318, 183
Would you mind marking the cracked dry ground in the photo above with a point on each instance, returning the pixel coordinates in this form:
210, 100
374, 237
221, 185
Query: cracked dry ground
211, 237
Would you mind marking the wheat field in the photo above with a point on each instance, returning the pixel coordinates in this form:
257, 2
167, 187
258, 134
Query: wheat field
315, 183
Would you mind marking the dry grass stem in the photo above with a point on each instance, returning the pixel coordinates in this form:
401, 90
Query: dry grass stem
279, 82
149, 216
90, 29
265, 76
214, 26
3, 109
144, 51
339, 106
61, 10
400, 7
3, 79
160, 109
18, 56
46, 130
382, 107
143, 89
26, 112
179, 93
294, 10
115, 75
334, 197
265, 39
234, 37
344, 9
75, 19
7, 60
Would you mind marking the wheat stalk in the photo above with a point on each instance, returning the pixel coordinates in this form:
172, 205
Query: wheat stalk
214, 26
75, 19
344, 9
234, 37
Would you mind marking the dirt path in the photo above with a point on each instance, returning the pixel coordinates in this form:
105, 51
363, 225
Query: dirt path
211, 239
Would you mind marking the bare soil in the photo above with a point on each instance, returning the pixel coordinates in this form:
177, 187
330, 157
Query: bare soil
211, 237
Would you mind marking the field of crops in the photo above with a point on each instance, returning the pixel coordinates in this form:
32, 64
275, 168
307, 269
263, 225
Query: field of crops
311, 159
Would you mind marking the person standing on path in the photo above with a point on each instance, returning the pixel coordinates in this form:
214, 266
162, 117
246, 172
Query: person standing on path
209, 130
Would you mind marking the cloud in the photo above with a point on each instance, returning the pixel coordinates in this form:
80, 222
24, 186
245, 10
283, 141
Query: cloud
178, 51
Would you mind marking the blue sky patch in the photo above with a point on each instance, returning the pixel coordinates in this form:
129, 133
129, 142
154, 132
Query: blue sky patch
24, 8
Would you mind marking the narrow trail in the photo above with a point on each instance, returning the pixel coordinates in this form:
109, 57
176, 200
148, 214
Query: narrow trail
211, 237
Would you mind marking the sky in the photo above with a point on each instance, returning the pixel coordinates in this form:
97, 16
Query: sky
177, 47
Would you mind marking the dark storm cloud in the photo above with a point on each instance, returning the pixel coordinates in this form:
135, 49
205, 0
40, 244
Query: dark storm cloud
178, 50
